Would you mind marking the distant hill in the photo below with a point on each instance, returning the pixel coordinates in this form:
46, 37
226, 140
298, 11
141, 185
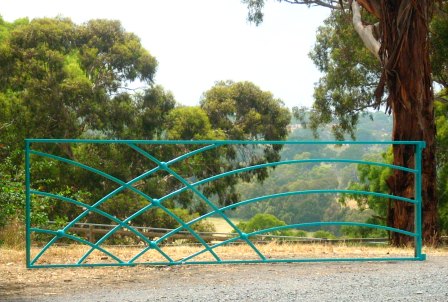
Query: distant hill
313, 176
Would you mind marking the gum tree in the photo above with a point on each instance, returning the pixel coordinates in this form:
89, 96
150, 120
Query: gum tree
397, 35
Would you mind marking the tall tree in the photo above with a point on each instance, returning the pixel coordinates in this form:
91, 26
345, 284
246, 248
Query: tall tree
242, 111
62, 80
400, 41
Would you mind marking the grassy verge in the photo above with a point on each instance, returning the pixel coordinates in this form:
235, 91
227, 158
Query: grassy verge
272, 250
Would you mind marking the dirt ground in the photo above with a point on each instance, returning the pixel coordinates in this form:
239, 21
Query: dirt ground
20, 284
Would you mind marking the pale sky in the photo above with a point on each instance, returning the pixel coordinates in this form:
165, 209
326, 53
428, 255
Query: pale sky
199, 42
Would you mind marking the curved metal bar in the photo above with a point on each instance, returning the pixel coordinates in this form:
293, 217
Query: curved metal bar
92, 209
215, 210
165, 166
157, 248
285, 194
306, 192
288, 162
311, 224
300, 225
58, 234
107, 215
123, 186
194, 152
300, 161
184, 260
155, 244
42, 251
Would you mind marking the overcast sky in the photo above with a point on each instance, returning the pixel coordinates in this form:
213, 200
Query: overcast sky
199, 42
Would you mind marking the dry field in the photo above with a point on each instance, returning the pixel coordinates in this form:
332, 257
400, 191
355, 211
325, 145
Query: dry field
272, 250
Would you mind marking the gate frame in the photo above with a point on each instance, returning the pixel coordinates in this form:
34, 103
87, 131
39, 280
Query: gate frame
210, 144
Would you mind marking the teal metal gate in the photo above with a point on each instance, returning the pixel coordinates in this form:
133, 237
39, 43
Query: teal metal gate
155, 246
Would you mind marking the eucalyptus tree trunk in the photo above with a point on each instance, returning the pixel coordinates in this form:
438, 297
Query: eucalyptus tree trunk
404, 53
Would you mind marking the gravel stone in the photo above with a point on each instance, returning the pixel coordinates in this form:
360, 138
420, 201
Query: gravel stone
358, 281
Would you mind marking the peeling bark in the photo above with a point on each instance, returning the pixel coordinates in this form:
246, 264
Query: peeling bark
407, 76
372, 6
404, 55
365, 32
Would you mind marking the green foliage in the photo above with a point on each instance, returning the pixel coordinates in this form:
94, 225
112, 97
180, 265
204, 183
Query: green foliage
324, 234
12, 198
243, 111
350, 76
439, 41
361, 232
441, 110
62, 80
300, 233
351, 73
191, 123
313, 176
262, 221
372, 179
163, 220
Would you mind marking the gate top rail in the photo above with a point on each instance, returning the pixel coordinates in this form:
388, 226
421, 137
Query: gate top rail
220, 142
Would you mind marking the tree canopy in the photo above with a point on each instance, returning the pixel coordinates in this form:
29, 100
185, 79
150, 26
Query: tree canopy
96, 80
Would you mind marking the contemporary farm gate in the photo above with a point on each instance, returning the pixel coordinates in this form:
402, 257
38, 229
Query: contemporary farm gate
189, 153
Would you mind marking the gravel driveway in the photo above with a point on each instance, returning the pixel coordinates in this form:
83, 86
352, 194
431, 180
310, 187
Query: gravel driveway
371, 281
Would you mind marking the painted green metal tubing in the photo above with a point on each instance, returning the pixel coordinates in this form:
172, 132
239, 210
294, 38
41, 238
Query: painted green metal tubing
418, 206
217, 142
338, 223
120, 224
123, 186
165, 166
76, 239
302, 225
304, 260
27, 205
288, 162
285, 194
194, 187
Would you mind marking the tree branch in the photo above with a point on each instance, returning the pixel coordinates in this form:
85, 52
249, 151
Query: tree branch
365, 32
441, 99
332, 4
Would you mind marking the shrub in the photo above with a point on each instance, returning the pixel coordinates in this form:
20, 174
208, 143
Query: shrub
324, 234
263, 221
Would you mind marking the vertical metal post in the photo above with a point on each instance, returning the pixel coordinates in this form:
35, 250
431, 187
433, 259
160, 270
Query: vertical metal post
91, 237
27, 204
418, 205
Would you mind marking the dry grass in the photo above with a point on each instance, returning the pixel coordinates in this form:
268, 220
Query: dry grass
221, 225
72, 253
13, 234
